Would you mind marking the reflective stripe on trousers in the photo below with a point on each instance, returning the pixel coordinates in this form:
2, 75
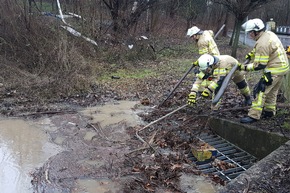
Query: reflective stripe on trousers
266, 100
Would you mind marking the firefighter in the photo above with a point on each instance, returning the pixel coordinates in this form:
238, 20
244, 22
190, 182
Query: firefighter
216, 68
205, 44
204, 39
269, 56
288, 51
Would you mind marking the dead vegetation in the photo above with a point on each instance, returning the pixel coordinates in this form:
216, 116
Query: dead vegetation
52, 72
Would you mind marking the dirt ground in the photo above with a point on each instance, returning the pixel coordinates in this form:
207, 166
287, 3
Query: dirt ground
135, 165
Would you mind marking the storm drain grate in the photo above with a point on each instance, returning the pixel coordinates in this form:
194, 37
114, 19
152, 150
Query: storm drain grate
226, 152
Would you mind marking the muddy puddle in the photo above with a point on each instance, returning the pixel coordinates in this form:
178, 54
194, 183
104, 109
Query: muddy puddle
26, 145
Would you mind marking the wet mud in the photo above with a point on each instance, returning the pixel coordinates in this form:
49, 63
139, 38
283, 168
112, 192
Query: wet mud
96, 150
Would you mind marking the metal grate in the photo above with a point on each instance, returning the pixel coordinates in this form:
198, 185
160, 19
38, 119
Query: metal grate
226, 152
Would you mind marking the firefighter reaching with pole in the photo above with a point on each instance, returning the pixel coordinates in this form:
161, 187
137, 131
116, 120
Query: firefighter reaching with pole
216, 68
206, 45
269, 56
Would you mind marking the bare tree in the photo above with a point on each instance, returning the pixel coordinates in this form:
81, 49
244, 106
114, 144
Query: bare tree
278, 11
191, 10
125, 13
240, 9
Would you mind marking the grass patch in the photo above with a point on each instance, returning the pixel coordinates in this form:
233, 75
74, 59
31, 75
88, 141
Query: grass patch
178, 51
44, 6
129, 74
286, 125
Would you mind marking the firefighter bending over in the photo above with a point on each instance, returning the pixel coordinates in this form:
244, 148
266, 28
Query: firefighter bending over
216, 68
205, 44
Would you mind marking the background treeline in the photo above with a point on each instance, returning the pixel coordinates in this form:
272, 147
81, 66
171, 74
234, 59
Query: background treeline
33, 33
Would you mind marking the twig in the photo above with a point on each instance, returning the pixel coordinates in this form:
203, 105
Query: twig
145, 147
153, 122
152, 138
100, 129
47, 113
139, 149
102, 134
46, 176
141, 139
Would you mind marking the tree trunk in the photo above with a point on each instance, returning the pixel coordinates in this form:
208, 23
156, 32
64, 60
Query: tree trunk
236, 33
225, 31
232, 36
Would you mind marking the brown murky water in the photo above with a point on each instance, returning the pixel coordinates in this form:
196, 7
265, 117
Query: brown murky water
23, 146
26, 145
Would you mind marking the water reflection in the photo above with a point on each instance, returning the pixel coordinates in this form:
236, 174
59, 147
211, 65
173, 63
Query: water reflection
24, 146
113, 113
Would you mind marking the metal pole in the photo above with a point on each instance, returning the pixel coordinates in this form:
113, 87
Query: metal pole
219, 31
179, 82
141, 139
245, 35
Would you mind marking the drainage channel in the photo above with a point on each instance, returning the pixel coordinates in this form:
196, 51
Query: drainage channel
226, 152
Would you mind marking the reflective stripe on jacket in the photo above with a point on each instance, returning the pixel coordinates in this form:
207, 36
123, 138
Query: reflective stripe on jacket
206, 44
269, 51
221, 69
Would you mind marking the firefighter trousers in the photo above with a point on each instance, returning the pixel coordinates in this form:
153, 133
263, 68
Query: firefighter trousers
266, 100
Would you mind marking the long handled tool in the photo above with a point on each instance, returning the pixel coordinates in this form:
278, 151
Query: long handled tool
188, 71
175, 87
153, 122
225, 83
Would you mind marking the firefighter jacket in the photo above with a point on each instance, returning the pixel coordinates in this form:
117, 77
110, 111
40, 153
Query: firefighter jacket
206, 43
288, 51
219, 71
269, 52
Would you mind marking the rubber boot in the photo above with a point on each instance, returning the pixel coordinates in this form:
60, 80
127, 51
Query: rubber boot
247, 120
267, 114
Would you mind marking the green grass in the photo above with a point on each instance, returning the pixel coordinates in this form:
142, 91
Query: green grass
129, 74
172, 66
46, 7
286, 125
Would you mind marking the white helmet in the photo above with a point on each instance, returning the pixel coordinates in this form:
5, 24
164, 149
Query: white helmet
205, 60
253, 25
192, 31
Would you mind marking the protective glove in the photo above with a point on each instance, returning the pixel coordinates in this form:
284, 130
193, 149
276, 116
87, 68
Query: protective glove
250, 56
195, 63
241, 66
245, 67
268, 78
191, 98
206, 93
259, 87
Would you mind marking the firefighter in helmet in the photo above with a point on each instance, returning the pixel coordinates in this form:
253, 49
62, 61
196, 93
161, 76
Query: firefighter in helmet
204, 39
216, 68
206, 45
269, 56
288, 51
